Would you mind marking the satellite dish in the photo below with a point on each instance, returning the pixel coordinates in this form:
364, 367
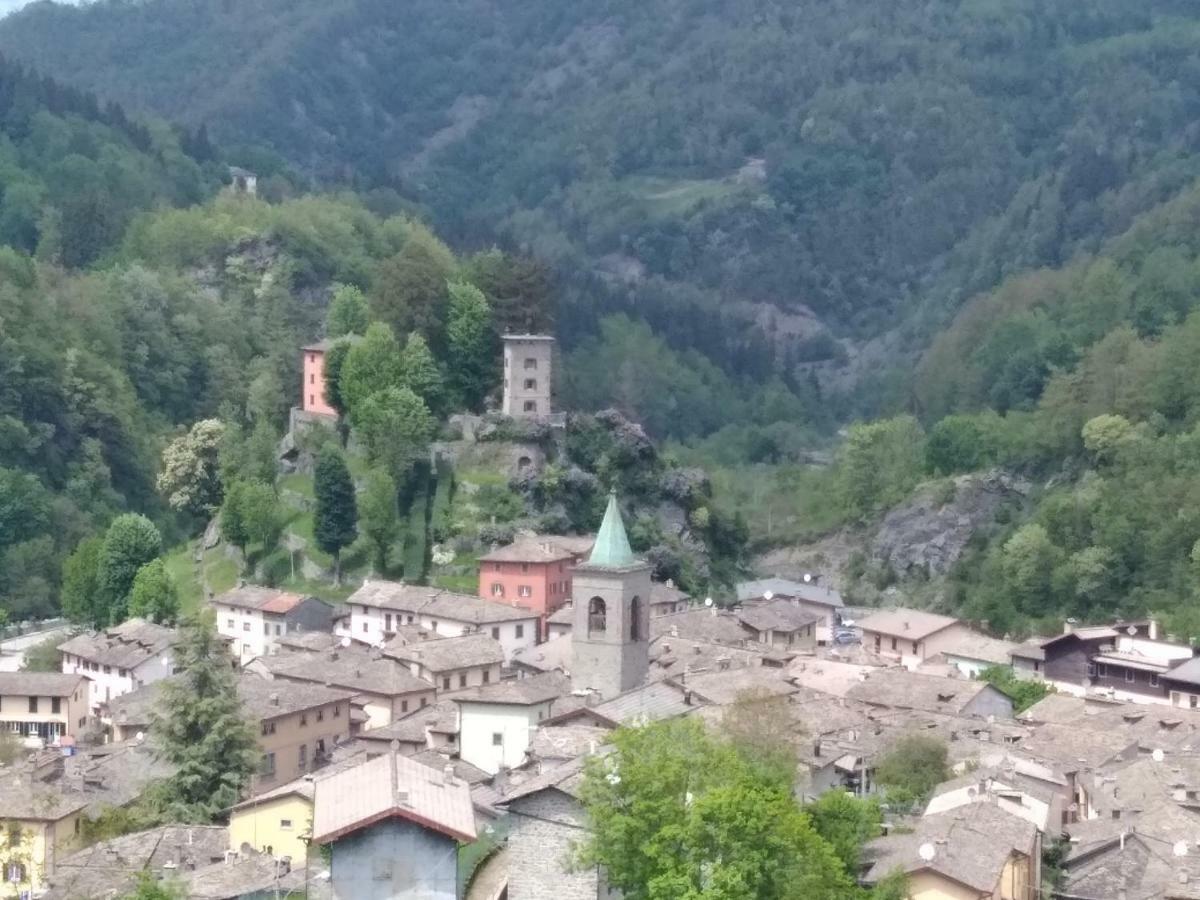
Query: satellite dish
927, 852
708, 601
972, 791
1180, 848
1157, 755
345, 642
140, 736
1131, 631
807, 577
768, 595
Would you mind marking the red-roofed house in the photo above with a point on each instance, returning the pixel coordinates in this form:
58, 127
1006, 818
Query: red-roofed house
252, 618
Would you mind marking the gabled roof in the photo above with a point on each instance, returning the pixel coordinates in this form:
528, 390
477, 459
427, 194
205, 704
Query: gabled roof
900, 689
436, 603
775, 615
266, 599
125, 646
392, 786
346, 669
909, 624
39, 684
529, 550
711, 624
809, 592
448, 654
263, 699
522, 692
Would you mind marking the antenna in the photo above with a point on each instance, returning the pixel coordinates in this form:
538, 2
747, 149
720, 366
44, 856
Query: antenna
927, 852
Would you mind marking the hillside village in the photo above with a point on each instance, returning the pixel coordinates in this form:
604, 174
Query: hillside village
416, 741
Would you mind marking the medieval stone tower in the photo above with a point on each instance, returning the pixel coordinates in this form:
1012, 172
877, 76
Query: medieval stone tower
610, 639
527, 370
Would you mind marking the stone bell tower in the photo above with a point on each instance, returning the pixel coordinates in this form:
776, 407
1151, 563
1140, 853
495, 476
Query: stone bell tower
610, 638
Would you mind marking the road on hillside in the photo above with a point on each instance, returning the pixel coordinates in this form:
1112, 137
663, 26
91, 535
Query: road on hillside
12, 651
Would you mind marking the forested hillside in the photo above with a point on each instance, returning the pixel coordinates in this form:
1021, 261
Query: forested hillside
725, 169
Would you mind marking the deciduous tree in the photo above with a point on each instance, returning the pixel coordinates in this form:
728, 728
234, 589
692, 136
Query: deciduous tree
379, 516
130, 543
396, 427
154, 595
471, 343
190, 476
348, 312
81, 593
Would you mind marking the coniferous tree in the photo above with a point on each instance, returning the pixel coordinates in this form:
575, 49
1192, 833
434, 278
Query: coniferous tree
335, 523
233, 519
201, 729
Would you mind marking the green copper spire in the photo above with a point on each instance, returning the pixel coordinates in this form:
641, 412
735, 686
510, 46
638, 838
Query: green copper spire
612, 550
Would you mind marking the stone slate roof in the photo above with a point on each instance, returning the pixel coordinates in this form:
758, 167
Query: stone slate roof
114, 774
266, 599
24, 797
564, 615
660, 700
909, 624
676, 657
437, 603
111, 868
1186, 672
392, 786
519, 692
447, 654
554, 655
722, 688
714, 625
969, 849
784, 587
248, 875
900, 689
529, 550
38, 684
831, 676
665, 592
472, 775
135, 708
567, 778
347, 669
975, 646
561, 742
125, 646
263, 699
775, 615
313, 641
440, 717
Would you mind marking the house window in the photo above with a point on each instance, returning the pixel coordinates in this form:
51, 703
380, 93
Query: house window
524, 568
15, 873
312, 399
337, 711
497, 589
520, 631
268, 765
1192, 700
387, 622
1153, 679
122, 673
1101, 670
525, 590
916, 649
268, 728
108, 670
365, 628
403, 706
635, 619
303, 756
56, 705
1091, 670
267, 629
424, 702
1130, 676
245, 626
531, 365
278, 630
312, 379
229, 624
531, 384
462, 679
433, 626
487, 676
1037, 665
893, 643
285, 824
597, 616
445, 682
497, 739
246, 649
303, 719
410, 620
530, 406
33, 704
320, 715
496, 634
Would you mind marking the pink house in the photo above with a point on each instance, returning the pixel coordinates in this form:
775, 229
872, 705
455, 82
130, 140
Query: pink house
532, 572
312, 388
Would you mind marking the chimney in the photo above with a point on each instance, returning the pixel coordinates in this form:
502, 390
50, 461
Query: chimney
906, 625
448, 772
687, 698
1153, 630
1068, 626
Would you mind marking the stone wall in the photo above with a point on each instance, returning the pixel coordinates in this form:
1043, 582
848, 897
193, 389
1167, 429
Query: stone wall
546, 825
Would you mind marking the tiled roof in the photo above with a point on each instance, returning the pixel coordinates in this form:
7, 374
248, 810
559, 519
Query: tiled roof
723, 688
553, 655
263, 699
528, 550
436, 603
254, 596
125, 646
38, 684
567, 778
447, 654
702, 624
910, 624
392, 786
784, 587
900, 689
23, 797
348, 669
971, 849
440, 717
111, 868
775, 615
520, 692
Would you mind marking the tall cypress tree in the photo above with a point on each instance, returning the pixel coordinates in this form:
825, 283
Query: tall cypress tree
200, 728
335, 524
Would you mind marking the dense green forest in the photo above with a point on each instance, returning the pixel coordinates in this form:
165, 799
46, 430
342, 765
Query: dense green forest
746, 176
